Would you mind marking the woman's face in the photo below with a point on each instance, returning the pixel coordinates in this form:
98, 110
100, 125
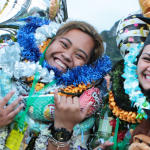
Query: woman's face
143, 68
70, 50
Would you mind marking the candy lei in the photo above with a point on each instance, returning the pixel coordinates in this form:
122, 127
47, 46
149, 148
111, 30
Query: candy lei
131, 84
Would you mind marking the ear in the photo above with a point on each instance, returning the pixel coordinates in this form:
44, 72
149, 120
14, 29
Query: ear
131, 131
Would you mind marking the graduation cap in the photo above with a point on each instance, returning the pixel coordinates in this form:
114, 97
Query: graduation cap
130, 32
147, 111
146, 20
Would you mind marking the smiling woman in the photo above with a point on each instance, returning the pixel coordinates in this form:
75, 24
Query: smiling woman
77, 43
130, 79
143, 68
70, 50
143, 61
71, 66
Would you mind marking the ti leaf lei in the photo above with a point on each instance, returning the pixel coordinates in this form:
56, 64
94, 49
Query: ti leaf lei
121, 98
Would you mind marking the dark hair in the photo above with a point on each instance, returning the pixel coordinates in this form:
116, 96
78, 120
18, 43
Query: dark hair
88, 29
139, 55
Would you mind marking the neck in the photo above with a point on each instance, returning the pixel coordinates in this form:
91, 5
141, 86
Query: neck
146, 93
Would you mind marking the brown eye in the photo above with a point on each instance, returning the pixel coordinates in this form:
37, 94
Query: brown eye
140, 140
145, 58
64, 45
79, 56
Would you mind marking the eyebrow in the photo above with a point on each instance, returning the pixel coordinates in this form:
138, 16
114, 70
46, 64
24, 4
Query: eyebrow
146, 53
78, 49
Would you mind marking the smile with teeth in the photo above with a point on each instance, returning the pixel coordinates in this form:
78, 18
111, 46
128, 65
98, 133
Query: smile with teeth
147, 77
61, 64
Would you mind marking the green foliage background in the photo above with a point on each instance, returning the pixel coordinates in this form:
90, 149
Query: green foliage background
110, 38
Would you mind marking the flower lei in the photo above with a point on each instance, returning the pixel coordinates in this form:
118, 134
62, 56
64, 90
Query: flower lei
3, 136
119, 102
131, 84
128, 116
117, 87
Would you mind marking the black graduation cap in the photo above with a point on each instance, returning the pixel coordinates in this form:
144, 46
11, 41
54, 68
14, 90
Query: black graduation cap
146, 20
147, 111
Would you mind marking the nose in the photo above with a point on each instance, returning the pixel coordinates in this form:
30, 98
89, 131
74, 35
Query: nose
67, 56
148, 68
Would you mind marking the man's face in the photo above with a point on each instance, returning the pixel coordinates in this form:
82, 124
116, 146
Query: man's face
70, 50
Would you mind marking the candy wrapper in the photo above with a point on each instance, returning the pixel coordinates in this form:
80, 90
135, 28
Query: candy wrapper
91, 95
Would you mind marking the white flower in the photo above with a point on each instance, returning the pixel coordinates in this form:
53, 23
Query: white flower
46, 31
43, 139
3, 134
11, 52
40, 145
45, 131
47, 76
1, 147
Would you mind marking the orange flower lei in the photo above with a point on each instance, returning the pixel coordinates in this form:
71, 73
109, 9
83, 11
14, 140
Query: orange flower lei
45, 44
128, 116
71, 90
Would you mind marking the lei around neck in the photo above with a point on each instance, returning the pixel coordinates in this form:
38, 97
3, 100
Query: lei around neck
119, 101
38, 30
131, 84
